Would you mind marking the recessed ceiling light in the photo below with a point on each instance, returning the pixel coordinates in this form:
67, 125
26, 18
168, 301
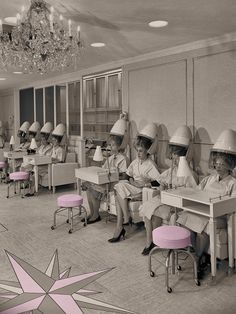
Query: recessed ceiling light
11, 20
18, 72
98, 45
158, 23
2, 78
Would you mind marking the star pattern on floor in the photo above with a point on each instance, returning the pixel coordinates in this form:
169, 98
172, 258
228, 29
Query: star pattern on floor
51, 291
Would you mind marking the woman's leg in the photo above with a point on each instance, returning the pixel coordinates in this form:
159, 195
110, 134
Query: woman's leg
119, 212
123, 204
94, 205
150, 225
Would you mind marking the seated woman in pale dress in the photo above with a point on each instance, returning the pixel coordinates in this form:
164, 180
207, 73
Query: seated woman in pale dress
54, 149
221, 182
153, 211
141, 171
96, 193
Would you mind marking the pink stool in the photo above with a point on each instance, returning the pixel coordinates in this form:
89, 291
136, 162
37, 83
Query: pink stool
174, 239
18, 178
2, 166
70, 202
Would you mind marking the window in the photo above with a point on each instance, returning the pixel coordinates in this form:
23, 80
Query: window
39, 105
102, 103
26, 105
74, 108
49, 104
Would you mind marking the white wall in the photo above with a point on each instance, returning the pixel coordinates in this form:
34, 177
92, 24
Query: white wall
193, 84
197, 87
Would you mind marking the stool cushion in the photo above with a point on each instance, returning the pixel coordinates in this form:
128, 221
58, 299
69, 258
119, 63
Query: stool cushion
19, 176
171, 237
70, 200
2, 164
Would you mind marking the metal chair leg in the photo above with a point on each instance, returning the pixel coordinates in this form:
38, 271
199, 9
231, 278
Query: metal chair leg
194, 265
170, 252
71, 219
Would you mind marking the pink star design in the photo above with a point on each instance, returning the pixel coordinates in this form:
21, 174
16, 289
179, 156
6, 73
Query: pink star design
50, 292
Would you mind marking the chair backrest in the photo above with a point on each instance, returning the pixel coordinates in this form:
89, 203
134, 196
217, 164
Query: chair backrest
70, 157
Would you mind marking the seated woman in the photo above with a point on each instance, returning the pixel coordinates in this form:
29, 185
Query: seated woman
96, 193
23, 134
140, 172
223, 160
55, 151
154, 211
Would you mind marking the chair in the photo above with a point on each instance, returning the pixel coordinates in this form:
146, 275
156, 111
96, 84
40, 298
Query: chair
62, 173
174, 239
69, 202
18, 179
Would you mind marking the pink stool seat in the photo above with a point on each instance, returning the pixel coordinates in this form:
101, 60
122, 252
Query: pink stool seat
69, 200
171, 237
2, 164
19, 176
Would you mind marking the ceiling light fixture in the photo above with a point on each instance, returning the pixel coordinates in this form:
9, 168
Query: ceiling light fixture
158, 23
18, 72
2, 78
97, 45
42, 41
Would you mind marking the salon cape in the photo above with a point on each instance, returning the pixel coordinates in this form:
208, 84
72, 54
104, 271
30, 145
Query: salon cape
211, 184
140, 171
154, 206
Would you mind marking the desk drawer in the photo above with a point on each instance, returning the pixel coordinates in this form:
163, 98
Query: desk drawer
171, 200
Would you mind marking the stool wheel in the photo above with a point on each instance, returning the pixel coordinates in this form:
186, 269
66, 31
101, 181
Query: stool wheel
179, 267
70, 231
85, 224
197, 282
7, 196
67, 221
52, 227
169, 290
152, 274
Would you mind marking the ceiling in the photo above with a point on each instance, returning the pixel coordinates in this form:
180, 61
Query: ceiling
123, 26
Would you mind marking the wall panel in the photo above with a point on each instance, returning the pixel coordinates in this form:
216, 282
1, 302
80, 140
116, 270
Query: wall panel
214, 95
158, 94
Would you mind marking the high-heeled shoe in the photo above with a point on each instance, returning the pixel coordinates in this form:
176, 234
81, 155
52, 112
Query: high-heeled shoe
117, 239
130, 222
147, 250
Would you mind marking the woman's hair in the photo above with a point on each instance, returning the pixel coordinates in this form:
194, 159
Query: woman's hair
177, 150
228, 158
45, 135
143, 142
118, 139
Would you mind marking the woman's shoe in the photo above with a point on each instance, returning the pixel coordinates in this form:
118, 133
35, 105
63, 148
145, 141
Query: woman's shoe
89, 222
130, 222
147, 250
122, 234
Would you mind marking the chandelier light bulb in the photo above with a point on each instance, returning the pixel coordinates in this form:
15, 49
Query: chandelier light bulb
40, 42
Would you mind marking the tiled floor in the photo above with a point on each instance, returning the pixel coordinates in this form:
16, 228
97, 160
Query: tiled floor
128, 285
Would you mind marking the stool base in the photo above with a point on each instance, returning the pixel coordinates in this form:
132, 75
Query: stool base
71, 216
171, 257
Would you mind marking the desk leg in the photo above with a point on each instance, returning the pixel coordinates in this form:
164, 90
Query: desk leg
13, 165
212, 226
50, 176
78, 182
36, 174
231, 241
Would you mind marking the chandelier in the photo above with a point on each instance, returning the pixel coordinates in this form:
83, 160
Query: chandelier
40, 42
